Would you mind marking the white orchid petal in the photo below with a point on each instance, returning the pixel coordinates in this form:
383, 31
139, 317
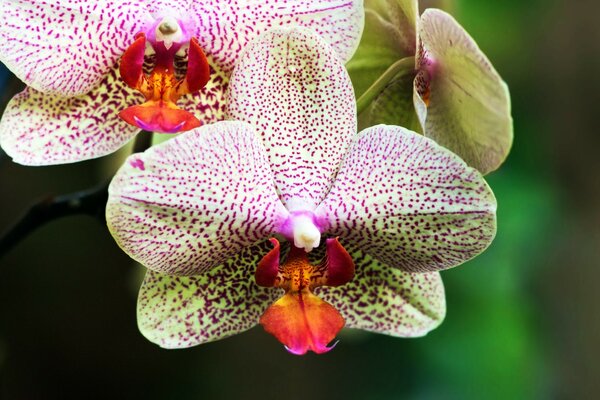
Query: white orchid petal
409, 202
188, 204
67, 46
293, 88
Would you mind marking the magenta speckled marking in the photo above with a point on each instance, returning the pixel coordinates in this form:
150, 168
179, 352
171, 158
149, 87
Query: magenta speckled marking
137, 163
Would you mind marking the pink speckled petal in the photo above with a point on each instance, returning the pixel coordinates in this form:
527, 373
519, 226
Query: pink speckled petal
44, 129
179, 312
189, 204
290, 85
227, 26
409, 202
387, 300
462, 102
67, 46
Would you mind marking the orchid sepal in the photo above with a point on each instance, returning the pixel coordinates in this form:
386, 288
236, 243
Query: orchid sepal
415, 205
161, 196
294, 68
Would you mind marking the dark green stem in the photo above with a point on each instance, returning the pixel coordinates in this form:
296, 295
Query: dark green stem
90, 202
86, 202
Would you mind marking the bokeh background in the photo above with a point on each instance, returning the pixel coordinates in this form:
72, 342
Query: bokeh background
523, 319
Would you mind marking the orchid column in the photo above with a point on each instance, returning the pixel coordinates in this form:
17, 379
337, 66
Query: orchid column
359, 224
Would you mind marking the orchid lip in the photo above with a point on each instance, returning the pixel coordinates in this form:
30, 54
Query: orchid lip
427, 69
300, 320
161, 88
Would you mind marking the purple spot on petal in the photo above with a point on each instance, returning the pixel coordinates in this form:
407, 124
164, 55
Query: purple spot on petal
137, 163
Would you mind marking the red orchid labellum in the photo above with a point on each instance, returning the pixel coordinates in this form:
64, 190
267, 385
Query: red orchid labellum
299, 319
161, 89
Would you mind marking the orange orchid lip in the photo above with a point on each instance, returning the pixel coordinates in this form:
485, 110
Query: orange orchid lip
300, 320
159, 113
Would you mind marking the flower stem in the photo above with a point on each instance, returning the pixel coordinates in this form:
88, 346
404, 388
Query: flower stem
143, 141
87, 202
90, 202
401, 67
3, 157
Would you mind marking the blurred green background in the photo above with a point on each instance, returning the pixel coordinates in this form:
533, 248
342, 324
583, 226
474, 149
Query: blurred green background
522, 318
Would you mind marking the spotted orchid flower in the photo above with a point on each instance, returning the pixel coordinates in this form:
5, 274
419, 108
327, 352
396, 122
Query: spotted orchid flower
175, 60
450, 91
288, 219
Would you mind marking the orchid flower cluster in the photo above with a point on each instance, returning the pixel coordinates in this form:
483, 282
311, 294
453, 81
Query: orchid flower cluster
270, 208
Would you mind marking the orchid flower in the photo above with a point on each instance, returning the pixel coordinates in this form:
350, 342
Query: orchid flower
68, 51
450, 91
351, 229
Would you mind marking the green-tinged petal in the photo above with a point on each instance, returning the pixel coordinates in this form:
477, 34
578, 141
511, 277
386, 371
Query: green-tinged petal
461, 100
409, 202
387, 300
389, 36
404, 14
394, 106
189, 204
45, 129
179, 312
379, 48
